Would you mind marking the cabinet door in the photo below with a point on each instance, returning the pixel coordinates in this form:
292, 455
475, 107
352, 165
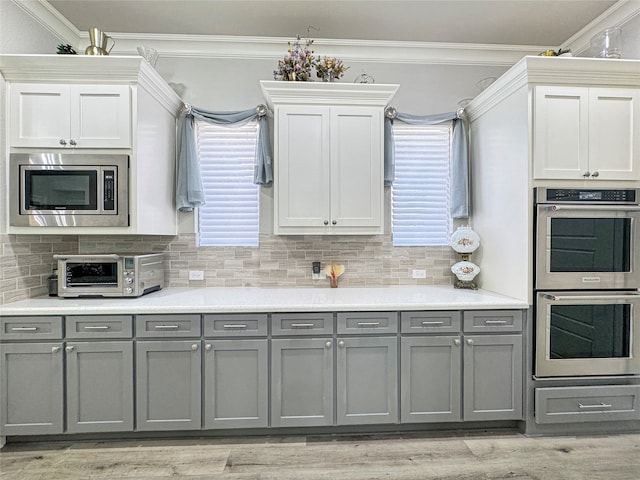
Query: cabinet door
235, 384
32, 388
431, 379
614, 133
367, 380
99, 387
101, 116
302, 167
357, 169
493, 377
39, 115
301, 382
168, 395
560, 133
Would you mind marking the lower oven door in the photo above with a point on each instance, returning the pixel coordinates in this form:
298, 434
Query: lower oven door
587, 333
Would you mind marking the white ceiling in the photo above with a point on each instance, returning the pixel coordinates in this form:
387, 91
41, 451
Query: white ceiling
500, 22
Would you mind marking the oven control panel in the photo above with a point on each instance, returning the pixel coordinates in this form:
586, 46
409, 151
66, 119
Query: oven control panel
554, 195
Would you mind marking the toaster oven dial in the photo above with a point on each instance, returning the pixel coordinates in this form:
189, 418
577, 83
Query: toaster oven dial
128, 290
128, 281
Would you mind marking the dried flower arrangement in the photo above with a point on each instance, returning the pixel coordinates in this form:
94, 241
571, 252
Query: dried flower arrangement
297, 63
329, 69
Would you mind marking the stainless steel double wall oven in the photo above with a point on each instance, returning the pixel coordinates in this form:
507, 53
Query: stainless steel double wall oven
587, 276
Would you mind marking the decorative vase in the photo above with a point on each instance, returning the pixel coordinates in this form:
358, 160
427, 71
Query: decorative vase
333, 282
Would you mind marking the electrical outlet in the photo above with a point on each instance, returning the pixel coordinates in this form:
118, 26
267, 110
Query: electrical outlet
418, 274
316, 272
196, 275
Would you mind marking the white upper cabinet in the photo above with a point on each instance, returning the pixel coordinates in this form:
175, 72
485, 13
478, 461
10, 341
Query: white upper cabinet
70, 116
329, 157
586, 133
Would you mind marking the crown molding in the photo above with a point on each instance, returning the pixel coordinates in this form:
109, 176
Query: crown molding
620, 13
50, 19
572, 71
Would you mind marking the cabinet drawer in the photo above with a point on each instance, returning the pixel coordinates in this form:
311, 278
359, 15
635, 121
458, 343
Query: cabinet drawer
492, 321
587, 404
99, 326
31, 328
430, 322
161, 326
240, 325
368, 322
302, 324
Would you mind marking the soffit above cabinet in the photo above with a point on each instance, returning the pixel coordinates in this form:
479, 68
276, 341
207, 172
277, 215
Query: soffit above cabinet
89, 69
327, 93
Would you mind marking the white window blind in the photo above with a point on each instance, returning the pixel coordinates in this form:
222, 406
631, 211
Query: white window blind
420, 193
231, 215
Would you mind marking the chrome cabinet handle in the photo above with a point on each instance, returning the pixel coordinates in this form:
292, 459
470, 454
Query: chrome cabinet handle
194, 347
72, 142
595, 174
166, 327
55, 349
368, 324
600, 405
302, 325
586, 174
469, 341
24, 329
235, 325
97, 327
341, 343
62, 141
69, 349
456, 341
495, 322
326, 222
328, 344
427, 324
334, 222
208, 347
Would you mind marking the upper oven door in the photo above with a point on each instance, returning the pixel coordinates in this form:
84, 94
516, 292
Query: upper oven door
587, 247
587, 333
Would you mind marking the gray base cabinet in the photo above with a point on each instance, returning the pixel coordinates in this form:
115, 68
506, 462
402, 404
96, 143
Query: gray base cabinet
32, 388
99, 386
236, 383
168, 385
367, 380
493, 377
431, 379
301, 382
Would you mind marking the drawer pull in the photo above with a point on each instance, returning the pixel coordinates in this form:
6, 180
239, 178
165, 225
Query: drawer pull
235, 325
600, 405
432, 323
97, 327
495, 322
166, 327
303, 325
368, 324
24, 329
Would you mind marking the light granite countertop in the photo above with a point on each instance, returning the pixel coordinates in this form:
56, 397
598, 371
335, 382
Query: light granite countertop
266, 300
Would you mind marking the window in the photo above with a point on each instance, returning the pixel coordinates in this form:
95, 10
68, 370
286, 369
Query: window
231, 215
420, 193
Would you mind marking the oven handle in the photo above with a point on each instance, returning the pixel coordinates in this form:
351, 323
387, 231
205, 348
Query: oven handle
561, 298
604, 208
67, 257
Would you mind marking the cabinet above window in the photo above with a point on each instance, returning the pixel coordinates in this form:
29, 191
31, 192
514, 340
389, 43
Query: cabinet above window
329, 157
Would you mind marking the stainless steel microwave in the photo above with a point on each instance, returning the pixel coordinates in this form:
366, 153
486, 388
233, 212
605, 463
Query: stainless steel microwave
68, 190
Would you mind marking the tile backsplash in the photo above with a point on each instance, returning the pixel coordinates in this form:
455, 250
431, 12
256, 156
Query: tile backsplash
280, 261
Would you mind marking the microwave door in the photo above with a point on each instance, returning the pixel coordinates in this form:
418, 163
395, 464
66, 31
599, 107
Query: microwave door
587, 247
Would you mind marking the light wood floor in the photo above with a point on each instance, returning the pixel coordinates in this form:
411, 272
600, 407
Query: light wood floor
366, 457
